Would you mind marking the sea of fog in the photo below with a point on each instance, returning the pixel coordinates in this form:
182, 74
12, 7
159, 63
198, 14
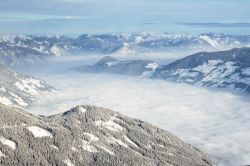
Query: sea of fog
217, 122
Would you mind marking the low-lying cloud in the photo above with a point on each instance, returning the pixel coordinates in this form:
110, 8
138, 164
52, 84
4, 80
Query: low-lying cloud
216, 122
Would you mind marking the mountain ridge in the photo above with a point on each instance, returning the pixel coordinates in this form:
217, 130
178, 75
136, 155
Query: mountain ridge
19, 90
224, 69
228, 69
108, 64
89, 135
19, 49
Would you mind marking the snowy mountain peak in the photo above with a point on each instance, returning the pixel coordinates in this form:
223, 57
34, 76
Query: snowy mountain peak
36, 48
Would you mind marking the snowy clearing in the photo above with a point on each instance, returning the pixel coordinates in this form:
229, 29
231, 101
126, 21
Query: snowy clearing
39, 132
7, 142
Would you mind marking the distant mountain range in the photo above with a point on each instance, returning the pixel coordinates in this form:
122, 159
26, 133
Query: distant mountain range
88, 135
19, 90
16, 49
223, 69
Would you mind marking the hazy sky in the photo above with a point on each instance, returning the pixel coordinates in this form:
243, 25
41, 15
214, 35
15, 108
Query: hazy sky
75, 17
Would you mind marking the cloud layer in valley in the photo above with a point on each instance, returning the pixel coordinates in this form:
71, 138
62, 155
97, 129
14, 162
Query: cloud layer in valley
216, 122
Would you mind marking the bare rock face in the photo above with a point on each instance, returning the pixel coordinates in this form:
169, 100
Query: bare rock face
89, 135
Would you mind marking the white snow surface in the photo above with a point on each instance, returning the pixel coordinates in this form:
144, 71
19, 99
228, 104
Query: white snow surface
130, 141
124, 50
184, 73
117, 141
110, 125
8, 142
88, 147
81, 109
3, 89
1, 154
54, 146
219, 74
68, 162
91, 137
56, 50
39, 132
29, 85
215, 71
210, 41
111, 63
18, 100
246, 71
207, 68
152, 66
5, 101
74, 149
107, 150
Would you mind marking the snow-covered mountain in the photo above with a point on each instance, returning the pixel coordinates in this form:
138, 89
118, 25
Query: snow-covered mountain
15, 49
170, 42
17, 89
126, 67
224, 69
88, 135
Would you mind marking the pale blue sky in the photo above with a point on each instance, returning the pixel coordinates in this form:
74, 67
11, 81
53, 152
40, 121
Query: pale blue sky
74, 17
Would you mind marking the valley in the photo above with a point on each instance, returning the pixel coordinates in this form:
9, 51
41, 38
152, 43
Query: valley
173, 94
